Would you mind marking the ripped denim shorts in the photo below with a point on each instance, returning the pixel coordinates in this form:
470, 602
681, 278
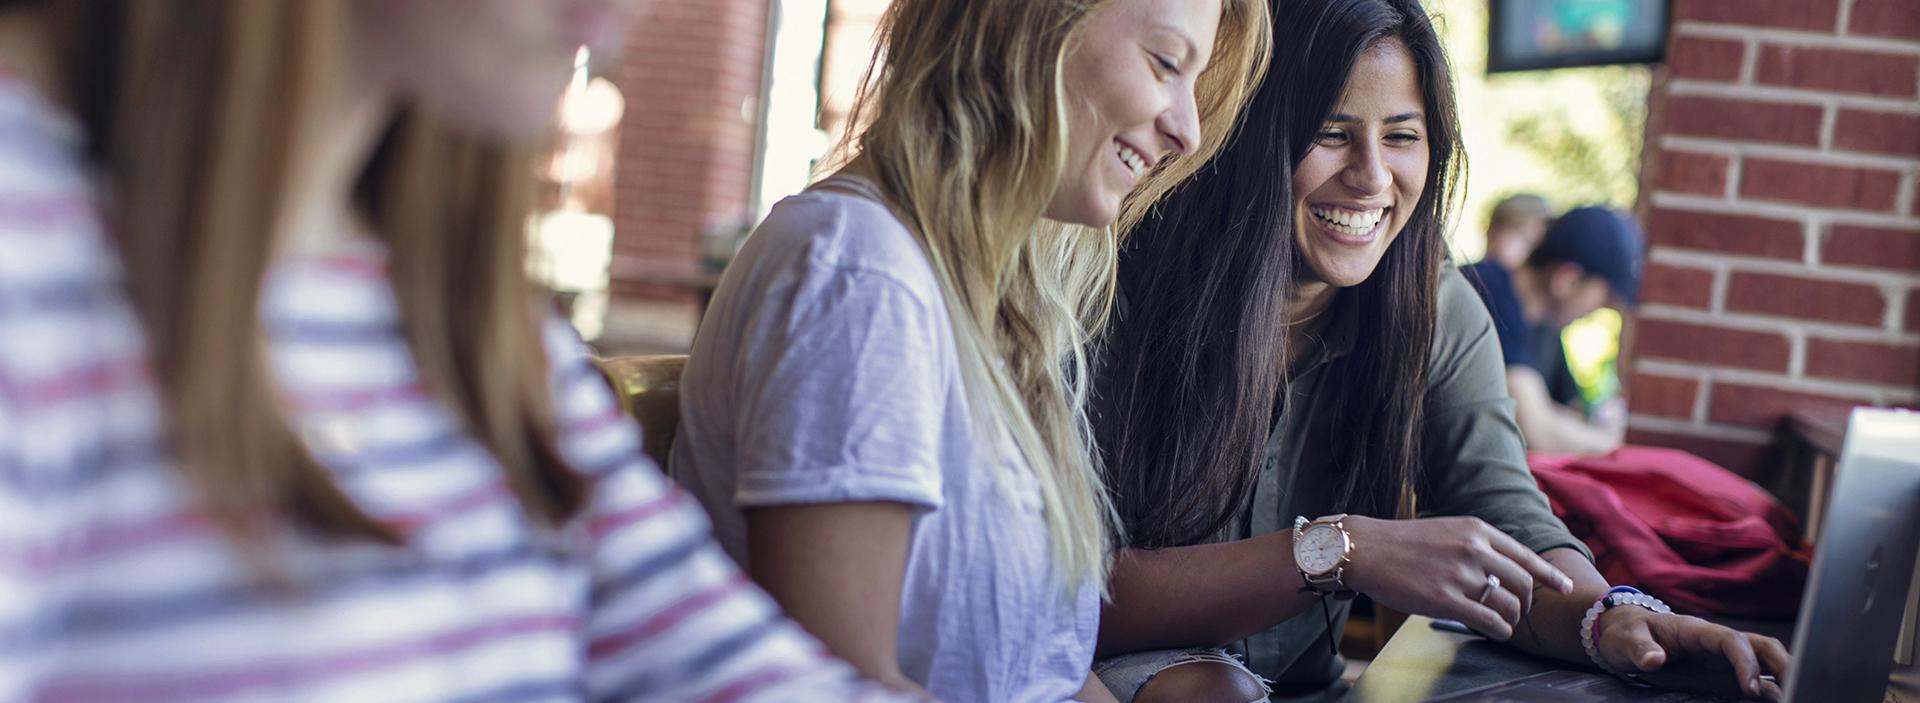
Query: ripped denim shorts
1126, 673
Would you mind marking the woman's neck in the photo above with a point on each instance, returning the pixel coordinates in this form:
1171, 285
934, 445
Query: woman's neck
860, 167
1306, 316
349, 110
1309, 301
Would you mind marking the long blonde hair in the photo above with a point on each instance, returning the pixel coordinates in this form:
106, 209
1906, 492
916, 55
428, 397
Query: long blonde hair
192, 108
962, 119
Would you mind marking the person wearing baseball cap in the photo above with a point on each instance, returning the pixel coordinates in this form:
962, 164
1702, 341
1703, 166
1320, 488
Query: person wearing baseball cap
1590, 258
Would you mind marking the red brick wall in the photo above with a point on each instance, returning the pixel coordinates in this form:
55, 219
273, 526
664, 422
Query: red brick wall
691, 77
1784, 268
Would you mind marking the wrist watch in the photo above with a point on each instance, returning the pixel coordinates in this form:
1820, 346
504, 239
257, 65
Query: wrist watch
1322, 548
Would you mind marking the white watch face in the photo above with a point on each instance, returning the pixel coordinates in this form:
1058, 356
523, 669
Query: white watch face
1320, 549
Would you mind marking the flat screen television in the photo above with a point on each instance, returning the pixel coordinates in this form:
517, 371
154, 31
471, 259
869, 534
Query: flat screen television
1525, 35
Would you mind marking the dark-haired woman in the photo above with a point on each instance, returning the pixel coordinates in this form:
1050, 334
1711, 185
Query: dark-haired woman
1296, 376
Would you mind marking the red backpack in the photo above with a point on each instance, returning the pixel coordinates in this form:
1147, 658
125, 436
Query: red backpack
1680, 527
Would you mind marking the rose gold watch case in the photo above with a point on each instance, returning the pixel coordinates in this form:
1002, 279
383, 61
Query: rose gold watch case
1329, 579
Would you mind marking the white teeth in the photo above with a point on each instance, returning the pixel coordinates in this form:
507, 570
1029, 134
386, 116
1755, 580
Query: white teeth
1349, 221
1131, 158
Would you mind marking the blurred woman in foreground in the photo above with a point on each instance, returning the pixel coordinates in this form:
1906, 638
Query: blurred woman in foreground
278, 417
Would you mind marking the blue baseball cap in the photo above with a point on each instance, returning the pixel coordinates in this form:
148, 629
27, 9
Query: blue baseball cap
1602, 242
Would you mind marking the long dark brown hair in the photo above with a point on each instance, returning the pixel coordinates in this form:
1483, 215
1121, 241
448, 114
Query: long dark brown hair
191, 109
1194, 362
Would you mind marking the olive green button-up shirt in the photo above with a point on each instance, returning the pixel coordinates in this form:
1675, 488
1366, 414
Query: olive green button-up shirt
1475, 465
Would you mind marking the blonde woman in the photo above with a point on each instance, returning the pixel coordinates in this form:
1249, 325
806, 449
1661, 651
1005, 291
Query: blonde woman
285, 427
883, 409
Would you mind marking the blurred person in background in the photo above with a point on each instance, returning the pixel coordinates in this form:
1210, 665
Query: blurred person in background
1515, 227
278, 415
883, 407
1588, 259
1290, 342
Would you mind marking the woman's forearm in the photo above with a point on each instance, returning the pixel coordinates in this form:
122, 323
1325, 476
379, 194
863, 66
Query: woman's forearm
1552, 628
1201, 596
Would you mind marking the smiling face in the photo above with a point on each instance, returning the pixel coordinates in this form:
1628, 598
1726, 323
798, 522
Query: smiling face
1360, 182
1129, 92
491, 66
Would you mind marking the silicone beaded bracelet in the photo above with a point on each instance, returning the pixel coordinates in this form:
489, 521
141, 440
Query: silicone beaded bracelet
1589, 625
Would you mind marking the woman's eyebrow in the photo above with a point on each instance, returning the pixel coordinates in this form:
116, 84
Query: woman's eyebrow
1402, 117
1191, 48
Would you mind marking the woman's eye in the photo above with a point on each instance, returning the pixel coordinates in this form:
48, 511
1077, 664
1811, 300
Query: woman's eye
1403, 138
1332, 136
1166, 64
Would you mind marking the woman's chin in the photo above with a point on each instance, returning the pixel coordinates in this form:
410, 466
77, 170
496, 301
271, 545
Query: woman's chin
1094, 212
1344, 276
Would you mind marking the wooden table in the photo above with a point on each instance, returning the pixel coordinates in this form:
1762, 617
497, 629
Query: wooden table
1421, 662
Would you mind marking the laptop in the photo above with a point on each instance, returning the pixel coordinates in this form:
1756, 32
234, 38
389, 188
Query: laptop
1856, 607
1855, 640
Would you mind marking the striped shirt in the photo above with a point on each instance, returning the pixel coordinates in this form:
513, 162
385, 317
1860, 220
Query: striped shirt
113, 586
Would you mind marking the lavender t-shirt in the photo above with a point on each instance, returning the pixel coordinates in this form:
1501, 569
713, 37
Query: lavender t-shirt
825, 372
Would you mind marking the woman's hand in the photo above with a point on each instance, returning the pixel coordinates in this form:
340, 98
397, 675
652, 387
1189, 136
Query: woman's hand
1438, 567
1690, 654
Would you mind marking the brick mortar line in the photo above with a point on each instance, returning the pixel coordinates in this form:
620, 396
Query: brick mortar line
1821, 155
1766, 324
1797, 353
1785, 94
1722, 280
1903, 201
1696, 258
1815, 236
1878, 394
1896, 312
1845, 21
1888, 281
1701, 399
1700, 429
1829, 118
1796, 37
1749, 61
1736, 166
1777, 210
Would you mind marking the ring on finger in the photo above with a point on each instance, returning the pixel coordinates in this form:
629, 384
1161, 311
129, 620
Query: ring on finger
1493, 584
